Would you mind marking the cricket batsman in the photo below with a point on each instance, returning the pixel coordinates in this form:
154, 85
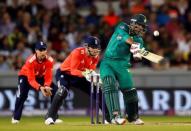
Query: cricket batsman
35, 74
76, 71
125, 42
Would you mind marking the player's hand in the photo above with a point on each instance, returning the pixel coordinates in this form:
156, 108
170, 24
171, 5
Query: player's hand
137, 56
135, 50
43, 90
48, 90
87, 74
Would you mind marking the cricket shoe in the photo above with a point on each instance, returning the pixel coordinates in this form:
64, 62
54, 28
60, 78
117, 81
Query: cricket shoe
118, 120
49, 121
14, 121
58, 121
106, 122
138, 122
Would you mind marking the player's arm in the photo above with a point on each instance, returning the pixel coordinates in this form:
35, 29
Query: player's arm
125, 36
31, 77
129, 41
75, 62
48, 78
48, 74
135, 47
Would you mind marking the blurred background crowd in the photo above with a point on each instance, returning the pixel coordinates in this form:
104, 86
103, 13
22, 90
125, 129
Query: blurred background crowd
64, 23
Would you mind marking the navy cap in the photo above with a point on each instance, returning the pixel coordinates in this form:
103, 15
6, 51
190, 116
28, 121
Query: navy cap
92, 42
40, 45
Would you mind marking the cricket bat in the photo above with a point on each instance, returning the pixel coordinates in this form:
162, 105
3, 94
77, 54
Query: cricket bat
151, 56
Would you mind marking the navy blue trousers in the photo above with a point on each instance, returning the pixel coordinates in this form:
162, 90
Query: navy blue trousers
22, 94
65, 80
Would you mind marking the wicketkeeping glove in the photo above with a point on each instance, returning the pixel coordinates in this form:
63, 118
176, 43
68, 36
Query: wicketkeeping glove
88, 73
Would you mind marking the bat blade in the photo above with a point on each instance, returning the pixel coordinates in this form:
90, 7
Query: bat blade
151, 56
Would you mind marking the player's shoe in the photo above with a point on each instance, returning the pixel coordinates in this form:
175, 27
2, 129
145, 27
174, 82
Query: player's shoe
106, 122
58, 121
138, 122
13, 121
113, 121
118, 120
49, 121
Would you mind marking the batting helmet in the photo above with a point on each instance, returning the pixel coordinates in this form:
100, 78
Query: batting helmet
138, 19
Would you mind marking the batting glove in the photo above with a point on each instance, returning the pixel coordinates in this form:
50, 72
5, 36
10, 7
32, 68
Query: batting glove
135, 49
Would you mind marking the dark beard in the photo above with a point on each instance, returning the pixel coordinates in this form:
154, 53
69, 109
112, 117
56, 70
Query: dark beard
132, 33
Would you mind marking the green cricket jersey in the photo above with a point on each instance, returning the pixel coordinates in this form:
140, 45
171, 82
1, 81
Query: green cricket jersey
117, 47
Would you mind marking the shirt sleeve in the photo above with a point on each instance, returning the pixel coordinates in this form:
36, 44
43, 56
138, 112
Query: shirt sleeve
75, 62
31, 77
48, 74
125, 36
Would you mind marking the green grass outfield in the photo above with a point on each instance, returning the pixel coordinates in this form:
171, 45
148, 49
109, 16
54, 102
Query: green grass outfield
155, 123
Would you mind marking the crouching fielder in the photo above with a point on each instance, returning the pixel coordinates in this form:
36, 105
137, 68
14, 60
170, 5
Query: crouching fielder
75, 72
35, 74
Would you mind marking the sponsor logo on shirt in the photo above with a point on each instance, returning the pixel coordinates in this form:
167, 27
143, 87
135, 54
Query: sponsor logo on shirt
122, 27
119, 37
96, 42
